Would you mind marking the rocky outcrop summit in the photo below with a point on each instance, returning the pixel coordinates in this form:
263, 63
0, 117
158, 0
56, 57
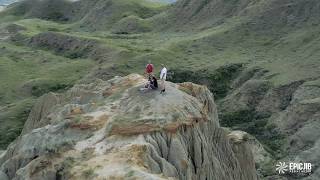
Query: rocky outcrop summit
111, 130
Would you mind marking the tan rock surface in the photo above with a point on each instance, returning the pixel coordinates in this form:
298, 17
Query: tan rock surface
111, 130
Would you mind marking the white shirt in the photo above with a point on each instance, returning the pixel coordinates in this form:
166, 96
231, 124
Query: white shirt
163, 73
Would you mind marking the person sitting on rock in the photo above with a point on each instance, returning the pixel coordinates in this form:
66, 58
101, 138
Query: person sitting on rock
148, 83
154, 83
151, 84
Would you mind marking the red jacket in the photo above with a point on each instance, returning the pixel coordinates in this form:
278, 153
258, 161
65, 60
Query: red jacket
149, 68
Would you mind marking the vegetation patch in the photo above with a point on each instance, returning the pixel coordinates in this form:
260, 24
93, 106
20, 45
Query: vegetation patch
39, 90
26, 74
249, 121
218, 81
12, 121
237, 118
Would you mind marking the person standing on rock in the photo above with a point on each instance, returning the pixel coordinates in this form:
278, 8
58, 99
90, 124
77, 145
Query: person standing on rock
163, 77
149, 69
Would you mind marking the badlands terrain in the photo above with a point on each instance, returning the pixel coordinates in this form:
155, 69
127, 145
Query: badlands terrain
258, 58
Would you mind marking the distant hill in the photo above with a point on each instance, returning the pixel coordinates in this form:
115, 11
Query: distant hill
208, 13
89, 14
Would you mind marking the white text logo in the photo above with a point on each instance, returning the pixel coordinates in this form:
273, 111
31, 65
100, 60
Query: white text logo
292, 167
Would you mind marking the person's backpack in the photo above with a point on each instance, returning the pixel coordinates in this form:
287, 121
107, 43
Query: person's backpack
149, 68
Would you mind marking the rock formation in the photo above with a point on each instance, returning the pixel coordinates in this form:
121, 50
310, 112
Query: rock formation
111, 130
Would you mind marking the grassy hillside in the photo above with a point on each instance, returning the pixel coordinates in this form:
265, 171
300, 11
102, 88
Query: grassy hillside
45, 47
254, 55
89, 15
27, 74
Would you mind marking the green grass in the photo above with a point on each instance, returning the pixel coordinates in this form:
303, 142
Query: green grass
19, 65
35, 26
26, 74
218, 80
12, 118
249, 121
218, 46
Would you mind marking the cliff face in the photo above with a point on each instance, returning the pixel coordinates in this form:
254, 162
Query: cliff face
111, 130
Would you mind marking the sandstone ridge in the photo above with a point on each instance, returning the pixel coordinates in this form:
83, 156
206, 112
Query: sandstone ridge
111, 130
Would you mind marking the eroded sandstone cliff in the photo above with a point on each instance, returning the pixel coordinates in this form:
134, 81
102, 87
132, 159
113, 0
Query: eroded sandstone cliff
111, 130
